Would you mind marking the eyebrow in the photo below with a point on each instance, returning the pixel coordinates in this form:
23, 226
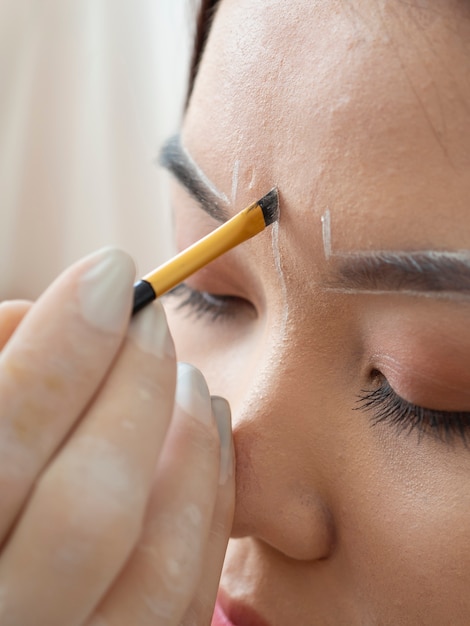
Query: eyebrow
418, 273
177, 161
415, 273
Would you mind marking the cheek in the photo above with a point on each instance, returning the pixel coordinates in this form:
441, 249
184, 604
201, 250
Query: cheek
225, 358
408, 532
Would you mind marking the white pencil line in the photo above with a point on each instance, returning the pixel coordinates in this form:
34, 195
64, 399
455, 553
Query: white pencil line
236, 170
326, 233
208, 183
439, 295
278, 265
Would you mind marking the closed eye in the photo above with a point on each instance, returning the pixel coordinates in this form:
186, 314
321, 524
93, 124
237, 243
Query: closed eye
216, 307
386, 406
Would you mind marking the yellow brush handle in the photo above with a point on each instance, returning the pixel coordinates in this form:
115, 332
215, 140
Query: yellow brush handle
242, 226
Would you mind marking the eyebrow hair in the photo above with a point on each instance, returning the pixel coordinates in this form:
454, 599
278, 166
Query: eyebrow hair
414, 272
177, 161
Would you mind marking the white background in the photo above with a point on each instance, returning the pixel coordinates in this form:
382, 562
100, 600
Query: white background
89, 89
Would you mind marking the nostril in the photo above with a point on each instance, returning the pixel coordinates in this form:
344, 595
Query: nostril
273, 507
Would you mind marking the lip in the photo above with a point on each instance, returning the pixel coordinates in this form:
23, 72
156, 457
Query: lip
230, 613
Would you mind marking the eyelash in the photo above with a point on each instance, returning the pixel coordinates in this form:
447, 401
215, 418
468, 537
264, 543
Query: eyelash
203, 303
388, 407
385, 404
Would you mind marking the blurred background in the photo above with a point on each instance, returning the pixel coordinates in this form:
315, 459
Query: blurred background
89, 90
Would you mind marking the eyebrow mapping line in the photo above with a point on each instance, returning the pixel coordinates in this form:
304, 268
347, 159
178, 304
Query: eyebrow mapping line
178, 162
435, 295
236, 170
326, 233
201, 174
278, 266
425, 273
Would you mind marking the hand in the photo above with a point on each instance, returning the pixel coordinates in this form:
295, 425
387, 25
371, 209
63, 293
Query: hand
116, 498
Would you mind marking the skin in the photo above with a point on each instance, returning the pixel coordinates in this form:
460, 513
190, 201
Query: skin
359, 108
100, 522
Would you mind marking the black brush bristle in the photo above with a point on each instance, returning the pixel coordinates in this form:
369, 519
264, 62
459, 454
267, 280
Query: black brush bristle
270, 206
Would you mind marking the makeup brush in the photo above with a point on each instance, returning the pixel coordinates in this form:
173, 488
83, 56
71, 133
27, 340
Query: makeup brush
244, 225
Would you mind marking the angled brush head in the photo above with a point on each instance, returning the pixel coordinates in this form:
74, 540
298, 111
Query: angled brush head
242, 226
270, 206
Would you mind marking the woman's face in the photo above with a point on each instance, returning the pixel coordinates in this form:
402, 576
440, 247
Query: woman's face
341, 335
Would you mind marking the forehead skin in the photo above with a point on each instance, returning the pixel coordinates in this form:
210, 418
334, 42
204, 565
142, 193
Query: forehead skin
361, 108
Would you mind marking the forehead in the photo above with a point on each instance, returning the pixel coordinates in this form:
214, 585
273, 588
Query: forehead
331, 98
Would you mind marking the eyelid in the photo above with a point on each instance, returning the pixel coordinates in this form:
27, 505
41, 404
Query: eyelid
388, 407
420, 382
218, 307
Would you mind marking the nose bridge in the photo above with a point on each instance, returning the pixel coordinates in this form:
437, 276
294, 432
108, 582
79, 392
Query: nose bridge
280, 495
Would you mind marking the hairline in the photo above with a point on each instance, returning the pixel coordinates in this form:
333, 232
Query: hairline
205, 16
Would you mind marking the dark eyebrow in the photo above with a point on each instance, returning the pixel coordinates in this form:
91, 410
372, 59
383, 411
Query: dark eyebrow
422, 271
177, 161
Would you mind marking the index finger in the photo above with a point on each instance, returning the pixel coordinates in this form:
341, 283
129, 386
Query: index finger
54, 363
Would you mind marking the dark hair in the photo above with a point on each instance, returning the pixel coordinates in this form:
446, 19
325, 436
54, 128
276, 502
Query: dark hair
204, 19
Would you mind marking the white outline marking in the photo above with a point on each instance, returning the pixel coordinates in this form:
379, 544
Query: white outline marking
278, 265
326, 233
208, 183
236, 170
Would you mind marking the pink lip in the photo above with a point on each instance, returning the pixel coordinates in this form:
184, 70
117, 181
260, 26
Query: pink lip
228, 613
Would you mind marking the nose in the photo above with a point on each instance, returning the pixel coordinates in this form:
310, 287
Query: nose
281, 488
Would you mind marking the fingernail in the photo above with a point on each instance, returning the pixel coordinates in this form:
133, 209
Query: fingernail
150, 331
105, 290
192, 393
223, 418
